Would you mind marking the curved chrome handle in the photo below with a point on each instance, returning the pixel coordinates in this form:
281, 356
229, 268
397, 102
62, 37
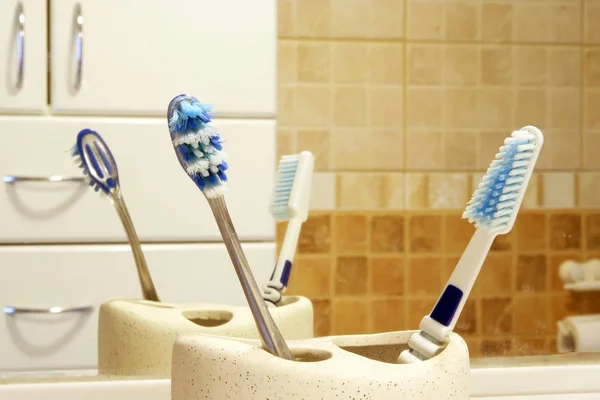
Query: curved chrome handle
78, 45
51, 178
8, 310
20, 45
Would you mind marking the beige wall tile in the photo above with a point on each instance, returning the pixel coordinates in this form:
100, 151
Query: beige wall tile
531, 201
425, 108
287, 71
461, 105
497, 65
559, 190
286, 141
417, 191
565, 22
531, 108
462, 20
313, 62
388, 19
349, 106
565, 109
386, 106
359, 191
322, 194
311, 105
350, 62
592, 67
425, 150
461, 65
562, 150
350, 149
394, 185
565, 67
425, 19
312, 18
592, 16
589, 189
317, 141
424, 64
496, 108
386, 63
285, 105
531, 66
592, 105
460, 150
387, 150
448, 191
496, 21
590, 151
285, 18
350, 18
531, 21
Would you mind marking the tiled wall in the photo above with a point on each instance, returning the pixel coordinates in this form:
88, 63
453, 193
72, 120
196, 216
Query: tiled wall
404, 103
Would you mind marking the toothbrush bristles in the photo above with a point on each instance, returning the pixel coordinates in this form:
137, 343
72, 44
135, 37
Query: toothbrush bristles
286, 172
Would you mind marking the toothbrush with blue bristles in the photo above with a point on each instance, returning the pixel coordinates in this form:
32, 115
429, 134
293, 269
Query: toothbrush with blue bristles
93, 156
291, 198
198, 148
493, 210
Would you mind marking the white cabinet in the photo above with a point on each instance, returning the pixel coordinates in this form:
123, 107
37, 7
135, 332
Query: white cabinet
42, 277
138, 54
23, 66
164, 203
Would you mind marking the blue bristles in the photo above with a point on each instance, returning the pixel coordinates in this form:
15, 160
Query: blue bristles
198, 144
500, 189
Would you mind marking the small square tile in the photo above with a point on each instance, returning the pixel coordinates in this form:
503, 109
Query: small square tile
458, 233
312, 18
589, 189
496, 65
565, 67
385, 63
555, 261
424, 276
286, 141
565, 231
349, 106
322, 317
530, 315
531, 232
394, 191
348, 148
562, 150
591, 14
285, 18
347, 18
504, 243
529, 346
468, 320
425, 150
462, 20
351, 275
497, 110
565, 22
387, 275
531, 66
425, 19
311, 277
424, 64
459, 106
386, 106
425, 233
311, 105
417, 309
359, 191
531, 273
531, 201
287, 54
495, 347
350, 234
565, 110
592, 223
425, 108
350, 316
531, 108
532, 22
317, 141
496, 21
559, 190
350, 62
286, 105
592, 67
592, 103
387, 20
461, 65
322, 193
496, 274
387, 315
591, 161
496, 315
313, 62
315, 236
417, 191
461, 150
387, 150
387, 233
448, 191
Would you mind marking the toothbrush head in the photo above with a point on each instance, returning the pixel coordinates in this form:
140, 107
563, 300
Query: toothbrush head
291, 195
93, 156
197, 144
496, 202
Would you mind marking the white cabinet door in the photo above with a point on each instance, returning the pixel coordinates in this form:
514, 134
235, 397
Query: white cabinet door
23, 56
43, 277
139, 54
165, 205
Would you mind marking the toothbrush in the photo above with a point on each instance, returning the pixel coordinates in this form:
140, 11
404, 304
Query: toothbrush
198, 148
493, 210
291, 198
93, 156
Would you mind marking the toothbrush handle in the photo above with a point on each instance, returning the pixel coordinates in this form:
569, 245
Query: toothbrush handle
148, 289
270, 334
283, 268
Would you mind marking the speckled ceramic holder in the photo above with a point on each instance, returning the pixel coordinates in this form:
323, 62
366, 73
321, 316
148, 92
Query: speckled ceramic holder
135, 337
338, 367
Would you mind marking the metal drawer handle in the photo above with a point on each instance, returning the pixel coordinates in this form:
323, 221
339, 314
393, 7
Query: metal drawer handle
78, 45
52, 178
20, 45
52, 310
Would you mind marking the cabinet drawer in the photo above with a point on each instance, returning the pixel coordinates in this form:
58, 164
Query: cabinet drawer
164, 203
79, 276
138, 54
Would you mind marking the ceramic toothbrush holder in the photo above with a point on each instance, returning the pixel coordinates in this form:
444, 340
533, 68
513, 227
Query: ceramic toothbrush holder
136, 337
338, 367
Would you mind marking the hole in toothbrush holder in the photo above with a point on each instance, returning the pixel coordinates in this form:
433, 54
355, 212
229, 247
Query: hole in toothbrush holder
209, 318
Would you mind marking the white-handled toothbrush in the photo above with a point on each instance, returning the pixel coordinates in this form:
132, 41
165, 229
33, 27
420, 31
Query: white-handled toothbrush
493, 210
291, 198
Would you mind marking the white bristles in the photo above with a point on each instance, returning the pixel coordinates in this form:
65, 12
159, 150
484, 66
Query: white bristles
215, 191
193, 138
